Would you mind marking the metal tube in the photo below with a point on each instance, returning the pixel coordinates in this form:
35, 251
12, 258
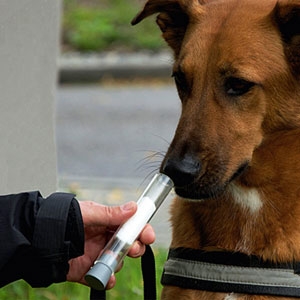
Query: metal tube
119, 245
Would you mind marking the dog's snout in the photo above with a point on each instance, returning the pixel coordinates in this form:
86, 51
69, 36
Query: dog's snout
183, 171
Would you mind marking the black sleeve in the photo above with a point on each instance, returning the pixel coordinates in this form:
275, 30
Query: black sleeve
38, 237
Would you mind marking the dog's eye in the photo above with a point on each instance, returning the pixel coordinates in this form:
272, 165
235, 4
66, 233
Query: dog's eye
181, 83
179, 78
237, 87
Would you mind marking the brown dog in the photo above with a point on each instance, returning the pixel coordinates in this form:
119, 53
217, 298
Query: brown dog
235, 157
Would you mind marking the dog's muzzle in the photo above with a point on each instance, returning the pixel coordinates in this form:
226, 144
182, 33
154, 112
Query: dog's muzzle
183, 171
190, 179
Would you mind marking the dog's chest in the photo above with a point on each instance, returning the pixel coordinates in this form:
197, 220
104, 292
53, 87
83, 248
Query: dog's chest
231, 296
248, 198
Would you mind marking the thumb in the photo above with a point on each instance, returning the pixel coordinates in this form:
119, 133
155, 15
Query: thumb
116, 215
95, 214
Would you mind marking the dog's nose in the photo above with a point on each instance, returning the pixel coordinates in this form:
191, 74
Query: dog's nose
182, 171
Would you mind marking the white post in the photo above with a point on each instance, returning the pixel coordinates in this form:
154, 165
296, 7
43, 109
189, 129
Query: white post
29, 39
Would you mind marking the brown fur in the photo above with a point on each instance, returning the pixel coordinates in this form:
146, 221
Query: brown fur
216, 42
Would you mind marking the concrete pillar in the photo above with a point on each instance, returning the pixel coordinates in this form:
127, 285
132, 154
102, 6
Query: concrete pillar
29, 39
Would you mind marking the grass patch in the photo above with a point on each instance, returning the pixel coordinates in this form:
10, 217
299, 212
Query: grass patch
129, 283
93, 25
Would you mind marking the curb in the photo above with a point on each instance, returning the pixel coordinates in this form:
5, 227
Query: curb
76, 67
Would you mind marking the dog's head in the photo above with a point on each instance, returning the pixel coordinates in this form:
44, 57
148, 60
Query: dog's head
237, 71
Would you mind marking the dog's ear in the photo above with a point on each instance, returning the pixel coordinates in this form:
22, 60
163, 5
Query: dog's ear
288, 20
173, 18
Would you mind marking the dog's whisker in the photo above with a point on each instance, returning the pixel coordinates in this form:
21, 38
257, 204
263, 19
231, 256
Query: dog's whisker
150, 175
162, 138
152, 156
148, 164
151, 162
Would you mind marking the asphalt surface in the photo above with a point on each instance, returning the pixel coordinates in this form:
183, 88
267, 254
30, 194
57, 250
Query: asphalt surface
111, 140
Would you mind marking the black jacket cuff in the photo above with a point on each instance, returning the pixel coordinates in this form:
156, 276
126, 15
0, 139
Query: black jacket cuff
58, 236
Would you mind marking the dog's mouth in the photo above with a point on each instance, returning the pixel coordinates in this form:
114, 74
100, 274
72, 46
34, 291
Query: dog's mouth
209, 186
194, 193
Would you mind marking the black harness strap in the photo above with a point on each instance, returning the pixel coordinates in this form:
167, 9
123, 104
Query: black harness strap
97, 295
228, 272
149, 278
148, 271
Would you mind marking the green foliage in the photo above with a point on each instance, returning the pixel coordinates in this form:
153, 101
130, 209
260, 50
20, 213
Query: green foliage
129, 280
129, 283
94, 25
20, 290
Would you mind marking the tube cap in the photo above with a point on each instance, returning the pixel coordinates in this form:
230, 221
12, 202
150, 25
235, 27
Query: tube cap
98, 276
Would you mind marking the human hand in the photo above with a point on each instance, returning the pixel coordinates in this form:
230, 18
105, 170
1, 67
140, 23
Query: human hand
100, 223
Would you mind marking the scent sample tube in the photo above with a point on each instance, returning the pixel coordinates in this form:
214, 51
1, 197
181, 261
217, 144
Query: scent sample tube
119, 245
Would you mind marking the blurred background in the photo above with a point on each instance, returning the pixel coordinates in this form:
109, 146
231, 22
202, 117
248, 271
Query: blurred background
93, 25
116, 113
117, 107
117, 110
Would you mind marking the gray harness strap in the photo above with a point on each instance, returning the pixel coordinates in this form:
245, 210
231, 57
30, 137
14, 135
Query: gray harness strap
230, 272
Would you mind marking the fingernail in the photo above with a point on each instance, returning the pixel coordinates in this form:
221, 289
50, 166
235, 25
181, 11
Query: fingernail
128, 206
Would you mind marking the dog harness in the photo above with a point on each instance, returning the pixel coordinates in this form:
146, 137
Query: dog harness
218, 271
221, 271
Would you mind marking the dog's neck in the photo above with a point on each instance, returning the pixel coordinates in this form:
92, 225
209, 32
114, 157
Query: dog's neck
258, 214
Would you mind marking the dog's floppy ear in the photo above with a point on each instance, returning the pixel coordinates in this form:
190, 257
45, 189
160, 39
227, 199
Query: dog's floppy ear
288, 20
173, 18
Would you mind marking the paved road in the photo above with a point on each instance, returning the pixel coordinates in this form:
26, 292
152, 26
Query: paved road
108, 137
109, 131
